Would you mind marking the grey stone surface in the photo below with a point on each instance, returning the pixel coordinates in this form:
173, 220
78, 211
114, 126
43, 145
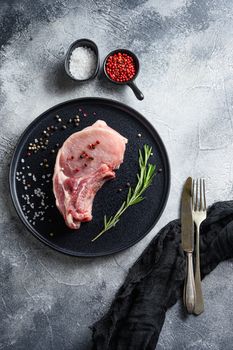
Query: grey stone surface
48, 300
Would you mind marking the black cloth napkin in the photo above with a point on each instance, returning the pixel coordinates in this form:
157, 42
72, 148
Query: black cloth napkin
155, 282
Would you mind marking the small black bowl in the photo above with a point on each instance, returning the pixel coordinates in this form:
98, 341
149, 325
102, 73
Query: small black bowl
81, 43
130, 83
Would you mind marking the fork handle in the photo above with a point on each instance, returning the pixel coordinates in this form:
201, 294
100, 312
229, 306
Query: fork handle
199, 304
189, 286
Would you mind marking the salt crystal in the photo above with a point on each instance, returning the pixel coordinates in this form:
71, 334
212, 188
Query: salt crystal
82, 63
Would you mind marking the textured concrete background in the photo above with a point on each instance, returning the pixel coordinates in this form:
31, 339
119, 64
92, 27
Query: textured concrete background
49, 300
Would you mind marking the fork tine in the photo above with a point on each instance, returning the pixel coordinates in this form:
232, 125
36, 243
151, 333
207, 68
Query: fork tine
204, 195
201, 201
196, 195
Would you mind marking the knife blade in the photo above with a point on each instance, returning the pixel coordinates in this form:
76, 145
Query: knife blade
187, 232
187, 241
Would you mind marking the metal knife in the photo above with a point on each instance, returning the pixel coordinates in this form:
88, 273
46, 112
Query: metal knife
187, 240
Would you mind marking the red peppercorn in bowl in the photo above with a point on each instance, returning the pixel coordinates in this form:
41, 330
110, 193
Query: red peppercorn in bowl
121, 67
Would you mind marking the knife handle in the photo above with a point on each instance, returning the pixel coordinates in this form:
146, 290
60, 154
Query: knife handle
189, 288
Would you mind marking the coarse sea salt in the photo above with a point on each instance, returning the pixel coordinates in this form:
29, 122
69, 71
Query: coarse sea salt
82, 63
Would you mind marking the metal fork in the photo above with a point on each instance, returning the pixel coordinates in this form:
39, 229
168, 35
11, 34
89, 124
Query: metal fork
199, 215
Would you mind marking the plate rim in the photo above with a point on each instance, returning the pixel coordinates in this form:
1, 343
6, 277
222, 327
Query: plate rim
12, 183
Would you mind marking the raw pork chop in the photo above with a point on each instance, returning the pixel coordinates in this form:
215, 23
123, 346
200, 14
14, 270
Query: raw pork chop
84, 163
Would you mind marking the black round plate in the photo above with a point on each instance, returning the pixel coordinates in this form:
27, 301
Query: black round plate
31, 180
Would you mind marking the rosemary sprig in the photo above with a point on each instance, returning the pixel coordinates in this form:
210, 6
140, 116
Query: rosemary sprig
134, 196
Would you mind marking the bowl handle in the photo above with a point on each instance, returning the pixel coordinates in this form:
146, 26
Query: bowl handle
136, 90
